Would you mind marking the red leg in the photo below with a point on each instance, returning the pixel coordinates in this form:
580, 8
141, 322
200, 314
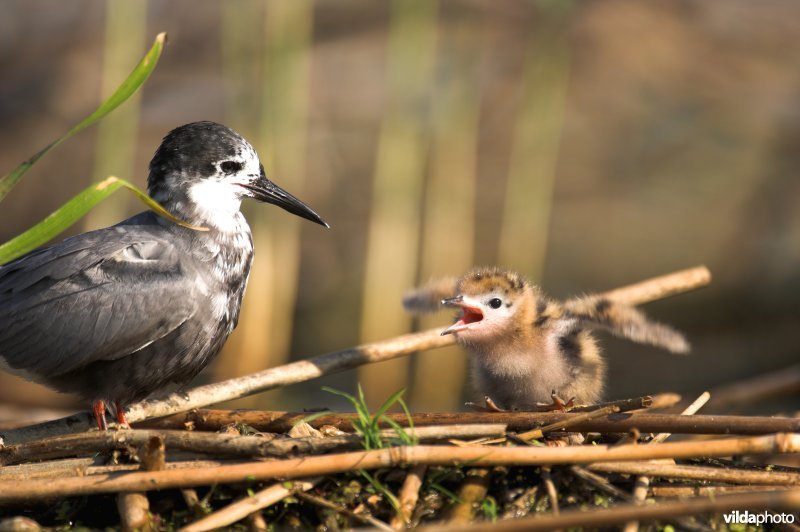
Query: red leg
99, 409
121, 421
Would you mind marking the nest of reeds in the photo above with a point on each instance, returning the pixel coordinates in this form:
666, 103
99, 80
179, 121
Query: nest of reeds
607, 465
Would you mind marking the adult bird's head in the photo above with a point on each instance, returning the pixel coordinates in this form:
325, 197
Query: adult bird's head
203, 170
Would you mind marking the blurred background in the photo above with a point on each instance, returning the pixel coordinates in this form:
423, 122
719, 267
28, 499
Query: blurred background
587, 145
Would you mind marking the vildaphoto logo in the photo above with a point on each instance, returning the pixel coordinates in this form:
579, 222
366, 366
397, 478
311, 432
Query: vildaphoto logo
764, 518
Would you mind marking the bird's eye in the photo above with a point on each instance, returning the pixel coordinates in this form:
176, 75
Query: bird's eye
230, 167
495, 302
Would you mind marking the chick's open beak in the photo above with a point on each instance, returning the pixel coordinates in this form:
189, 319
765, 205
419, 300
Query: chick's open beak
469, 314
265, 190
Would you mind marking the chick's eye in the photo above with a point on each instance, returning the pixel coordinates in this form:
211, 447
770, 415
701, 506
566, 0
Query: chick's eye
230, 167
495, 302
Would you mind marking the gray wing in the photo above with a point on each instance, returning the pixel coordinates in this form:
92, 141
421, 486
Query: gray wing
96, 296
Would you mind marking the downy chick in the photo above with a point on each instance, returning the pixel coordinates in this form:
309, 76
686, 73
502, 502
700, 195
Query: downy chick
527, 349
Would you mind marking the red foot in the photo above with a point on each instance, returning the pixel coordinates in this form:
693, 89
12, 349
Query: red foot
121, 421
99, 409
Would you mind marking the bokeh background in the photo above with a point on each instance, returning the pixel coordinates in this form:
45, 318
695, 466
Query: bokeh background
586, 144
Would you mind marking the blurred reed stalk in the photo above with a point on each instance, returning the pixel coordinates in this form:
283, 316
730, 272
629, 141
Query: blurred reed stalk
394, 225
531, 174
115, 148
267, 317
448, 233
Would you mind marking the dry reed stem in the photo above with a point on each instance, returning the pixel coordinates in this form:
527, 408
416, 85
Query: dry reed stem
240, 509
661, 287
710, 474
701, 491
642, 482
217, 444
81, 467
788, 500
134, 508
599, 482
134, 512
536, 434
783, 382
408, 496
326, 364
395, 457
19, 524
550, 487
279, 422
470, 493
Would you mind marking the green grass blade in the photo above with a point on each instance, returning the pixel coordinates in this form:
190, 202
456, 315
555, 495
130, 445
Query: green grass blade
390, 497
402, 436
71, 212
387, 404
123, 92
351, 398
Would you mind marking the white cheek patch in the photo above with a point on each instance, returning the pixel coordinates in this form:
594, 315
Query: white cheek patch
216, 203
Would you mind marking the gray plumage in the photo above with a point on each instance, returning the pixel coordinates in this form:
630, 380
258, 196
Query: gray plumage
124, 311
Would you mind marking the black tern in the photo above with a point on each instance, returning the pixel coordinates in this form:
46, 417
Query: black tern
125, 311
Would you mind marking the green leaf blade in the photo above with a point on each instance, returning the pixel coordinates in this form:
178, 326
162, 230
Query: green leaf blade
135, 80
72, 211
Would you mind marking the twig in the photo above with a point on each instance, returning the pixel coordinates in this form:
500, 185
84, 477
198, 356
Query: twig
134, 508
134, 512
408, 496
788, 500
279, 422
72, 467
326, 364
368, 519
242, 508
661, 287
600, 483
219, 444
471, 492
522, 505
396, 457
642, 482
782, 382
536, 434
19, 523
256, 522
552, 494
685, 492
711, 474
690, 410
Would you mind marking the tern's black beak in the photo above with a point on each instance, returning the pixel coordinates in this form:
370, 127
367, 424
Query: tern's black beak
267, 191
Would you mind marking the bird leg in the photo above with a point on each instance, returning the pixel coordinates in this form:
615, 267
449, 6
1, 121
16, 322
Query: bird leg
557, 404
121, 421
489, 406
99, 409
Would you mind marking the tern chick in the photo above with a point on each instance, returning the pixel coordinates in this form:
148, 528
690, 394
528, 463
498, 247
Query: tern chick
527, 349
